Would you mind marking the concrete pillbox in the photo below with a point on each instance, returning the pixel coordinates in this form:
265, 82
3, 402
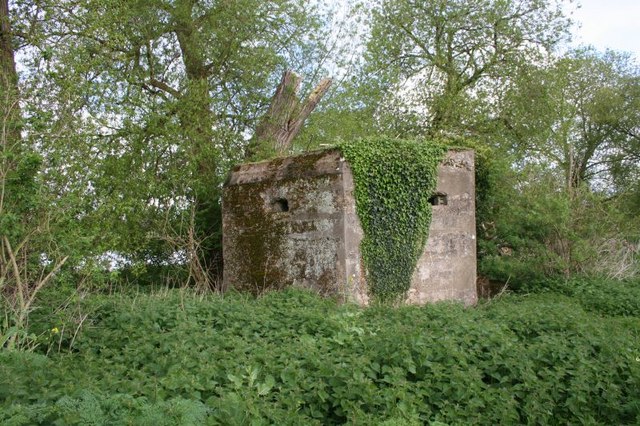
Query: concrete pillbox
292, 222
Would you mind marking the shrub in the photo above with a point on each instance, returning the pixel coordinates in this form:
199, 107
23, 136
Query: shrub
294, 358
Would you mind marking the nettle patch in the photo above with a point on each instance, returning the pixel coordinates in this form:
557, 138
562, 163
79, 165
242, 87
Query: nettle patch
394, 180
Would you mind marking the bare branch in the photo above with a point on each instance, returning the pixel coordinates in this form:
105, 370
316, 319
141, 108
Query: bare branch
164, 87
16, 271
309, 105
45, 280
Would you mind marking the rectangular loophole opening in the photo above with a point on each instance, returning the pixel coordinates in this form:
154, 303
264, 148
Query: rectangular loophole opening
280, 205
438, 199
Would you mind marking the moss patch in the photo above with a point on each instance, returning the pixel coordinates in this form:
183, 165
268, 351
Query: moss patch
394, 180
259, 238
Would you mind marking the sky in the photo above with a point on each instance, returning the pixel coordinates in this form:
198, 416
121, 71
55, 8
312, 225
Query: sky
613, 24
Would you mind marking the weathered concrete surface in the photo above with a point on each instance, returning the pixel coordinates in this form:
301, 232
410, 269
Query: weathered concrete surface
447, 268
283, 224
293, 222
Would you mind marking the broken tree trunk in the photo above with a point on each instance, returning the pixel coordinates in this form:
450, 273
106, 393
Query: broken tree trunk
284, 118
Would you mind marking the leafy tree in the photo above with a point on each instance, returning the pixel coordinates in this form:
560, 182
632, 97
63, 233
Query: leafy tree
348, 114
156, 99
438, 62
579, 115
29, 256
567, 206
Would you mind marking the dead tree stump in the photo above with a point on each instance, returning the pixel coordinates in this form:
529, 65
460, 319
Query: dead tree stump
284, 118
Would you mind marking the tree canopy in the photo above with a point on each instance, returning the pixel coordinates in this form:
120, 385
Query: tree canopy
122, 118
578, 115
444, 53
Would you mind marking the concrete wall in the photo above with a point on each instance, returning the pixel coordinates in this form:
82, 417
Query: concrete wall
293, 221
283, 224
447, 268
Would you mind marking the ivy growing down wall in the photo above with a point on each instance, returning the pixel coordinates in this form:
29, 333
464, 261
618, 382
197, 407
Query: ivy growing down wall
394, 180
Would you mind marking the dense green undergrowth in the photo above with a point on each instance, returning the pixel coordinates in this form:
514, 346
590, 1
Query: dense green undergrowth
561, 356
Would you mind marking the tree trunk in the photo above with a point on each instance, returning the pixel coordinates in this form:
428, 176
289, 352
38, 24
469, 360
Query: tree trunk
197, 121
284, 118
10, 117
8, 81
